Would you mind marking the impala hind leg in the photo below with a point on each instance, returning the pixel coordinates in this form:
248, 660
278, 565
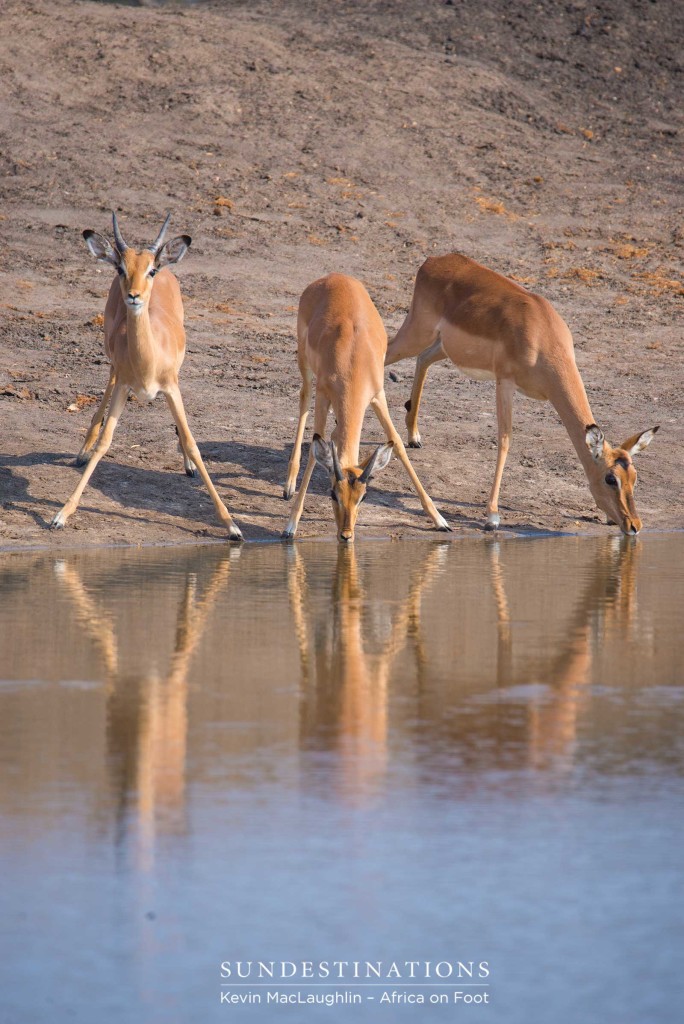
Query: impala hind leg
423, 363
119, 397
379, 404
295, 457
96, 422
190, 449
505, 390
190, 467
321, 408
417, 333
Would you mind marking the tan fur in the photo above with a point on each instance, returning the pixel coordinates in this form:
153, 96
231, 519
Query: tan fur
342, 343
145, 345
490, 326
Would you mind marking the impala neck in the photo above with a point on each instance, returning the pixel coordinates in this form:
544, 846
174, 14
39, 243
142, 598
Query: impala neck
140, 342
348, 433
568, 397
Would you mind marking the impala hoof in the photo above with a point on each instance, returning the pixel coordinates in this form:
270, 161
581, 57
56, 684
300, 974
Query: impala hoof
82, 459
287, 535
415, 443
442, 525
288, 493
59, 522
234, 533
493, 522
190, 472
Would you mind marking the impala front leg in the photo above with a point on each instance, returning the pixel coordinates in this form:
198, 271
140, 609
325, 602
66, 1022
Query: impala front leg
96, 422
295, 457
188, 464
320, 418
190, 449
101, 448
379, 404
423, 363
505, 390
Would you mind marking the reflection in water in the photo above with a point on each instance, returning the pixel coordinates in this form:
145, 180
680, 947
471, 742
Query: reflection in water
147, 715
390, 749
603, 610
603, 613
345, 682
483, 654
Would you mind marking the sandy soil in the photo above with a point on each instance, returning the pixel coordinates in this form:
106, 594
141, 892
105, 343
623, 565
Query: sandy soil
543, 139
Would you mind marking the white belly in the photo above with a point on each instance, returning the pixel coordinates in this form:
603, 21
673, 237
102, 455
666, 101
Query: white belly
476, 374
146, 394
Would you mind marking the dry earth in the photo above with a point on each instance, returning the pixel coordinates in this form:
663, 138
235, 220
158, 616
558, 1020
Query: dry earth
294, 138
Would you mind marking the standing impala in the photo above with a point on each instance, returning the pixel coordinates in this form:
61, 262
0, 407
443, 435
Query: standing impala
342, 343
493, 329
145, 344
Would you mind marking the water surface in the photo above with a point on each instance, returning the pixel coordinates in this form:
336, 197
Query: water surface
428, 751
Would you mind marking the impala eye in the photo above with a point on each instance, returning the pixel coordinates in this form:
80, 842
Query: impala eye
152, 272
120, 271
611, 480
333, 495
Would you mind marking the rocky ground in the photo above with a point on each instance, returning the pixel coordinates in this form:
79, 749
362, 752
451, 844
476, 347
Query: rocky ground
294, 138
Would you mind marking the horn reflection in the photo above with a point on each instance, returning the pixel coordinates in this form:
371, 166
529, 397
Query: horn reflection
348, 644
147, 713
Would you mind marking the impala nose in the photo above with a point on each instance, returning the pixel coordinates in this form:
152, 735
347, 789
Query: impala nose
346, 536
134, 296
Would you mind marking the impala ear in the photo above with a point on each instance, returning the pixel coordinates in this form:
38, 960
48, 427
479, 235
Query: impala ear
101, 248
173, 251
378, 460
595, 441
322, 454
640, 441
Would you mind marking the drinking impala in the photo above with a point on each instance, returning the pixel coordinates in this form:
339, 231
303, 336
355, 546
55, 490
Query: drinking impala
494, 329
342, 343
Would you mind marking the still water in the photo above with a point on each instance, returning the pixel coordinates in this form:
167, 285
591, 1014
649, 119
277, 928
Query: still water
427, 751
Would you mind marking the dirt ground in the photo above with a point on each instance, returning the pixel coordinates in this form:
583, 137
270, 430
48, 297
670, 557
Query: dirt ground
299, 137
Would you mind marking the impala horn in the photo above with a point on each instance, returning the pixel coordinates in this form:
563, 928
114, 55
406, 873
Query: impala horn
118, 237
159, 240
339, 476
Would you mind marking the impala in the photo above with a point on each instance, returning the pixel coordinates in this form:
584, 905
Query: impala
342, 343
145, 345
494, 329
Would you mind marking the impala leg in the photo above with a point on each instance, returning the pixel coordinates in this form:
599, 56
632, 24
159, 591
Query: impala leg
101, 448
96, 422
190, 449
505, 389
417, 333
423, 363
379, 404
320, 418
190, 467
295, 457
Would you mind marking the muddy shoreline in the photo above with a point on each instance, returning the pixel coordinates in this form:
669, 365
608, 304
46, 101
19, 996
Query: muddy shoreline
288, 144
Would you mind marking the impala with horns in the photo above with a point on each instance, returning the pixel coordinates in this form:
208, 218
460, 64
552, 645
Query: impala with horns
494, 329
145, 345
341, 341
